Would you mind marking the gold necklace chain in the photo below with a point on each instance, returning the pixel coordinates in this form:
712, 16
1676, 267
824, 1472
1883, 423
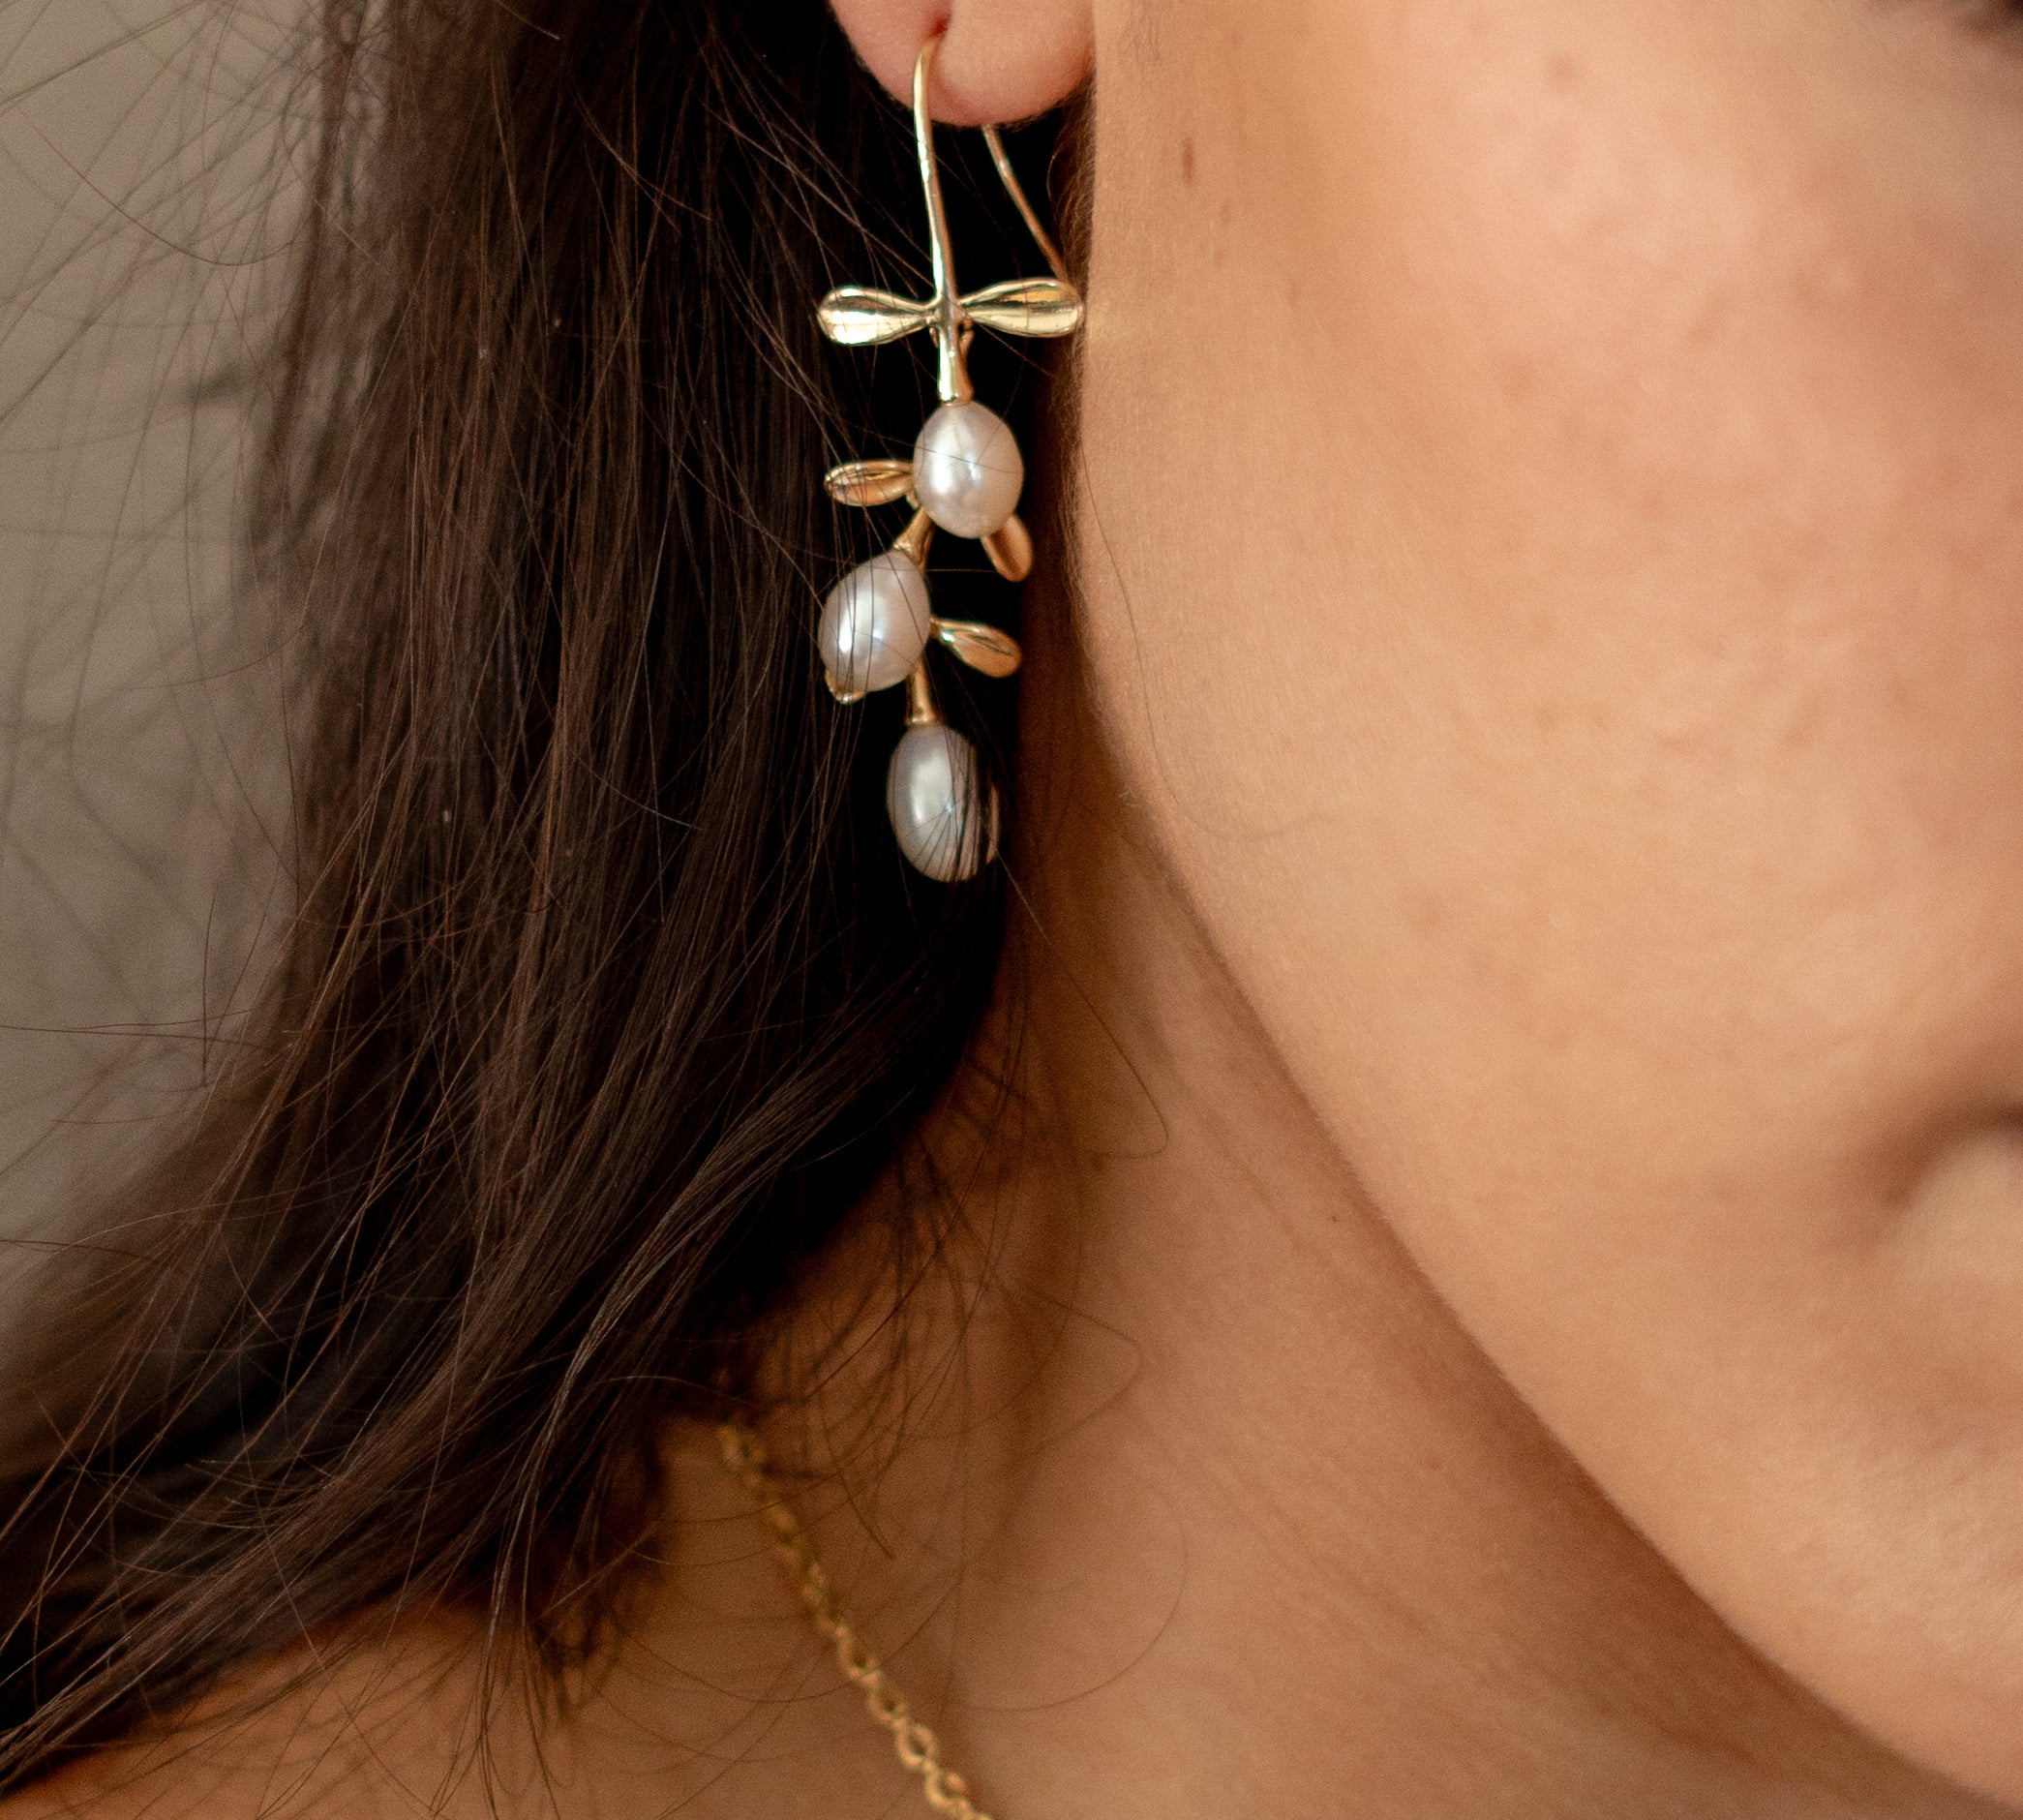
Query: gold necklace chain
916, 1744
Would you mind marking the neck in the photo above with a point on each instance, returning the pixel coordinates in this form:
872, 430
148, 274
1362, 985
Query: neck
1206, 1504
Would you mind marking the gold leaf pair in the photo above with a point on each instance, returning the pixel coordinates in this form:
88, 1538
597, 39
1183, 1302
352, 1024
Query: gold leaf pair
857, 315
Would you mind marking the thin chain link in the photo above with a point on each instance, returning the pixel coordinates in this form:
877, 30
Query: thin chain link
917, 1745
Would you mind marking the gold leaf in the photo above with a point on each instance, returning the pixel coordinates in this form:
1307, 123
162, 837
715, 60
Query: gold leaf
1027, 306
869, 483
982, 646
1009, 549
861, 318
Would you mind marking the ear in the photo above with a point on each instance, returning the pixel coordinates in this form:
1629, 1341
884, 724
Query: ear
1000, 60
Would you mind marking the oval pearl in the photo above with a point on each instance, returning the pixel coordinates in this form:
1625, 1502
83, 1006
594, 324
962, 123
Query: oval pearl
932, 794
876, 623
967, 469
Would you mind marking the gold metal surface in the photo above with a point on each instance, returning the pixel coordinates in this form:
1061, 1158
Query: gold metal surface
1009, 549
982, 646
918, 537
842, 692
921, 709
859, 316
869, 483
1027, 306
947, 322
915, 1743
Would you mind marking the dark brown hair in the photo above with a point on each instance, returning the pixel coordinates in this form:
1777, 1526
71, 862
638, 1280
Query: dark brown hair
608, 994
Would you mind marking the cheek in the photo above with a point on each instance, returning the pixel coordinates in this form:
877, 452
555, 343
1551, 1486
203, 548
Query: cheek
1681, 608
1580, 679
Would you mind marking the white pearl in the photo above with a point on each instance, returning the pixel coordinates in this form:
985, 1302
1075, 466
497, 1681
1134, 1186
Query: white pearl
876, 623
937, 806
967, 469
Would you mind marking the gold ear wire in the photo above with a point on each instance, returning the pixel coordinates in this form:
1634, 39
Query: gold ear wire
1014, 188
947, 321
1021, 306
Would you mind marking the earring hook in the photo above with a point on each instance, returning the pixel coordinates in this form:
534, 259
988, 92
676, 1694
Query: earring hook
1017, 191
950, 323
950, 320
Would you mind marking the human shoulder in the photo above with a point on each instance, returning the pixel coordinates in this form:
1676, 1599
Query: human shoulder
384, 1732
716, 1701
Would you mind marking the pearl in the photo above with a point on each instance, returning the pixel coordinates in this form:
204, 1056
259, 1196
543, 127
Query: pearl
967, 469
875, 623
938, 812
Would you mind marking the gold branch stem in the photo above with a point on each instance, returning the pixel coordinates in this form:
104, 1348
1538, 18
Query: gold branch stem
921, 709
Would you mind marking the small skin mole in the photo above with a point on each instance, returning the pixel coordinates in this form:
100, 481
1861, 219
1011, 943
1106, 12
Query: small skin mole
1563, 71
1187, 161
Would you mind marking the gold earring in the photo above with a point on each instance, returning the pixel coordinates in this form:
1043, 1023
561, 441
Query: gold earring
965, 478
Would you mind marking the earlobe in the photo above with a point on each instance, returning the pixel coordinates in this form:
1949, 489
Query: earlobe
1002, 60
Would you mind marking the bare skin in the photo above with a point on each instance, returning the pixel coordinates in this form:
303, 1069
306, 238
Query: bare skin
1207, 1506
1510, 1298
